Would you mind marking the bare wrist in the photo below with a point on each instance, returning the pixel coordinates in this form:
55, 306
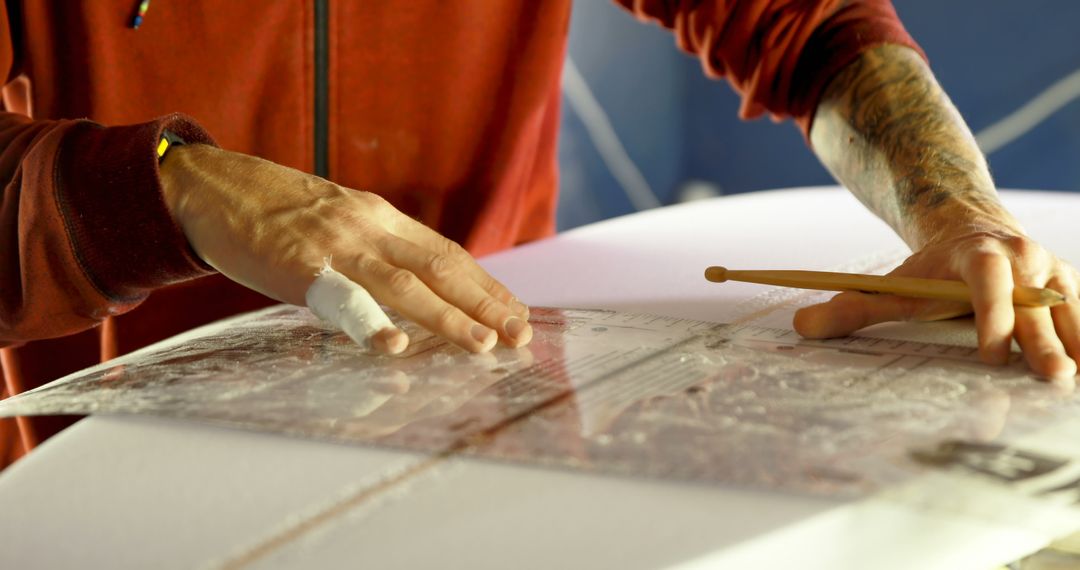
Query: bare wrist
176, 174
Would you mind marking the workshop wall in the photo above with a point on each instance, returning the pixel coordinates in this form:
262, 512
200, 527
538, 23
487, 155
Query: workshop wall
640, 117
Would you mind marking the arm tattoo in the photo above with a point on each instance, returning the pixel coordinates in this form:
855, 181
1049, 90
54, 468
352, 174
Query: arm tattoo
887, 131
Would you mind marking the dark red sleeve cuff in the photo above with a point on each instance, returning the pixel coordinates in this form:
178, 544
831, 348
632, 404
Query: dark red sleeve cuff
852, 29
109, 194
779, 56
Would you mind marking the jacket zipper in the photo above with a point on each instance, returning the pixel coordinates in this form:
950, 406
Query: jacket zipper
322, 103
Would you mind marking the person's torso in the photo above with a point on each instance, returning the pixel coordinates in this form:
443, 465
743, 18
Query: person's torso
447, 109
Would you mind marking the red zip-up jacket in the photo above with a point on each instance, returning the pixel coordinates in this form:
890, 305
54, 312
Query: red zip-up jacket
449, 109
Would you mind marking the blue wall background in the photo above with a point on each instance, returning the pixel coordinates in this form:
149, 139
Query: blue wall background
992, 56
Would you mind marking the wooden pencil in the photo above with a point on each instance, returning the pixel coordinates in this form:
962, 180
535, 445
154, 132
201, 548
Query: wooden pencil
904, 286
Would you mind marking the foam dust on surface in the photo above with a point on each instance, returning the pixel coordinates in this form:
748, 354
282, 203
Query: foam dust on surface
600, 391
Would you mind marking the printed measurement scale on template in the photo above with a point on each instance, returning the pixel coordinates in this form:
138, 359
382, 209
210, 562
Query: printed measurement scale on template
600, 391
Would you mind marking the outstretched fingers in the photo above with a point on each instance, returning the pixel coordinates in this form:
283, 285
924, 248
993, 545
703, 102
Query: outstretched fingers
850, 311
344, 303
431, 240
1046, 336
1067, 315
989, 275
1043, 350
451, 277
406, 293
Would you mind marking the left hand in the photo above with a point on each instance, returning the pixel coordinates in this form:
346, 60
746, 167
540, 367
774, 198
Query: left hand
991, 263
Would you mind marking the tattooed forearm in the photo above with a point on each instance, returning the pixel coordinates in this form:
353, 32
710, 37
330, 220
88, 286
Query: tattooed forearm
887, 131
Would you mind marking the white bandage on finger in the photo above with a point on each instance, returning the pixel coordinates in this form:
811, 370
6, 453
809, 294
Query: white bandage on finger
337, 299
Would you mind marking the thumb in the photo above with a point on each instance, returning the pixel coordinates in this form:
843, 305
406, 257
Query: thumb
850, 311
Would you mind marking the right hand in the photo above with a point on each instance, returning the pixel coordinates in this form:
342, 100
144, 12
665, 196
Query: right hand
269, 227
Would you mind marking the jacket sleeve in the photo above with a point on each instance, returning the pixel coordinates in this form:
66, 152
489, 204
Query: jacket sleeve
779, 55
84, 229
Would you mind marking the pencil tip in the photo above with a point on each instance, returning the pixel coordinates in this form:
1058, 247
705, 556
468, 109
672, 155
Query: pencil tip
1054, 298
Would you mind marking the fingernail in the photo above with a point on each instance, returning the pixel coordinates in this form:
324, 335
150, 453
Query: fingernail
518, 330
513, 327
483, 335
398, 343
390, 340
